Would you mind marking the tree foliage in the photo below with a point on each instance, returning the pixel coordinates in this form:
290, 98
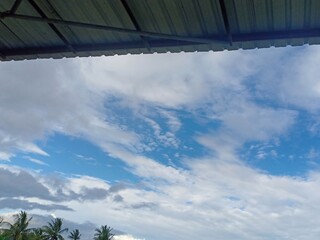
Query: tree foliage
19, 230
103, 233
74, 235
54, 230
37, 234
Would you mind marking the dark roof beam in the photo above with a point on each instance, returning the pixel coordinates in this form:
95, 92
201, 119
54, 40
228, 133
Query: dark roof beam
52, 26
2, 56
15, 6
91, 48
225, 20
195, 40
277, 35
135, 23
298, 34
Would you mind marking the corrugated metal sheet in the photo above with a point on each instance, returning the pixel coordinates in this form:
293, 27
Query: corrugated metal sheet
195, 24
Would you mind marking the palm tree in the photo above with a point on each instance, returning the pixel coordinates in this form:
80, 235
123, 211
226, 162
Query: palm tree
1, 229
1, 223
2, 237
103, 233
37, 234
54, 231
74, 235
19, 229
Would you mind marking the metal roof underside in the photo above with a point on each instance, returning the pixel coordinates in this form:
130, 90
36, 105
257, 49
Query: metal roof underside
32, 29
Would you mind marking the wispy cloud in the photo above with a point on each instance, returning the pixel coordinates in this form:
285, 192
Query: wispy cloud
37, 161
4, 156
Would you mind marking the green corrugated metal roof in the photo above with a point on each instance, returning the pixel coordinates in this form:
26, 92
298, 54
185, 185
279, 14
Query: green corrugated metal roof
55, 28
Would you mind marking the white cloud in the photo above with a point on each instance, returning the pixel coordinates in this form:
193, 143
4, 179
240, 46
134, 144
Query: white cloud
4, 156
247, 123
37, 161
165, 138
31, 148
168, 80
196, 83
251, 122
54, 98
292, 78
76, 183
173, 121
126, 237
146, 167
214, 197
201, 82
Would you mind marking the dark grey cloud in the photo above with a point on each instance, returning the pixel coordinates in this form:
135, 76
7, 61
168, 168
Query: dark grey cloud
118, 187
94, 193
86, 194
57, 181
149, 205
102, 193
27, 205
22, 184
17, 186
118, 198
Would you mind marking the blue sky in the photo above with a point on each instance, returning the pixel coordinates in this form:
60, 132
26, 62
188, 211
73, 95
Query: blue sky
167, 146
